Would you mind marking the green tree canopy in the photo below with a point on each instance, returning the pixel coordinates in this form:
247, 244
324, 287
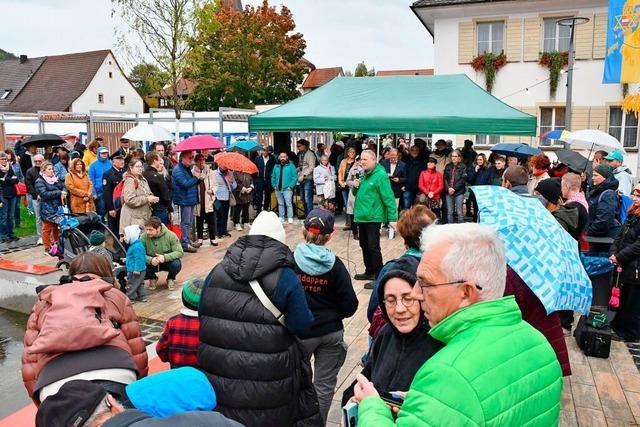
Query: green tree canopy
244, 58
362, 71
6, 55
148, 78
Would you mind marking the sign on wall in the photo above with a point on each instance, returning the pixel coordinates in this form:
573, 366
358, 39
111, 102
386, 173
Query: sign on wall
622, 60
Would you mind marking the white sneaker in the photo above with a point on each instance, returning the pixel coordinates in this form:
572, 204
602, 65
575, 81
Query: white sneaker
290, 221
171, 284
282, 219
238, 227
39, 242
152, 284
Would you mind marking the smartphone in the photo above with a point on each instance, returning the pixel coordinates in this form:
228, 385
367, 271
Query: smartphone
392, 398
350, 415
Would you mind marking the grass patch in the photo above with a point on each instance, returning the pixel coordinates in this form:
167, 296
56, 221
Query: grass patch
27, 222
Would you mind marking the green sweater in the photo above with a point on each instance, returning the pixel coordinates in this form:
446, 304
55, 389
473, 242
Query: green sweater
495, 370
374, 198
166, 244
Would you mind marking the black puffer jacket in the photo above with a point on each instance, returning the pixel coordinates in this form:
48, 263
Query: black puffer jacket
626, 248
256, 366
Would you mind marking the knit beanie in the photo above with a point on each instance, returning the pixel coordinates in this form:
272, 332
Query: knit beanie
191, 291
268, 224
604, 170
96, 238
550, 189
131, 233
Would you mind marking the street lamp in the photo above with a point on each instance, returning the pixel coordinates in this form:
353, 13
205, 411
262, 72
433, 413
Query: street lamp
570, 22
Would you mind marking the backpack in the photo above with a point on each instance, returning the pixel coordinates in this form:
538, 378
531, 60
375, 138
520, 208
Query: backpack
624, 204
118, 197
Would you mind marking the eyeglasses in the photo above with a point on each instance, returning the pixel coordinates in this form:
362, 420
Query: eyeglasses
392, 302
432, 285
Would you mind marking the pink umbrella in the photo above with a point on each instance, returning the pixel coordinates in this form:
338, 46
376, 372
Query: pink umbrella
199, 142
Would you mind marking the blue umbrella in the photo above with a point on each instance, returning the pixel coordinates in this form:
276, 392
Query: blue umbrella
246, 145
543, 254
517, 150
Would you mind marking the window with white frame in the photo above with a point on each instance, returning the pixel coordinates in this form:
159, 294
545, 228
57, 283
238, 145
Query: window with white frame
624, 127
487, 139
551, 118
490, 36
556, 37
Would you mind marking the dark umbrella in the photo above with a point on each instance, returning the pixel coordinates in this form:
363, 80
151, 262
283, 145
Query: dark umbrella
515, 150
575, 161
43, 140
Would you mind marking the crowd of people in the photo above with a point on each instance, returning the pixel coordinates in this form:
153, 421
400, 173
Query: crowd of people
456, 336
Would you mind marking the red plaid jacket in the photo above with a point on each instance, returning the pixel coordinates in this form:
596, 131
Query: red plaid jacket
179, 341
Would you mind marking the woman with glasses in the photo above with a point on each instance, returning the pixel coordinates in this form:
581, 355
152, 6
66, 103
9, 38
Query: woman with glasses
455, 177
404, 343
137, 196
625, 252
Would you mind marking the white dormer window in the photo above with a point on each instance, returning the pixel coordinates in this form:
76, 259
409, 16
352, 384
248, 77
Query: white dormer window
5, 94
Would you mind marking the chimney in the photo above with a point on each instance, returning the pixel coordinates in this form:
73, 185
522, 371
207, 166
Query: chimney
23, 59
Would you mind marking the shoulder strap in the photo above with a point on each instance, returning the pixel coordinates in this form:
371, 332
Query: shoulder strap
257, 289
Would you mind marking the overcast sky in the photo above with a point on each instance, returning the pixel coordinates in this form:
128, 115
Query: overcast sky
384, 33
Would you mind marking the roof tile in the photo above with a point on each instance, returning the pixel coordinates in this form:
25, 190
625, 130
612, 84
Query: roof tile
320, 76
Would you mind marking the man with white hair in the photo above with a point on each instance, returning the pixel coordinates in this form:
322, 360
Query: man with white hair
495, 369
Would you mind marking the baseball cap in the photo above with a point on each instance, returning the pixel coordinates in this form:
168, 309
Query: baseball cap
102, 150
319, 221
72, 405
615, 155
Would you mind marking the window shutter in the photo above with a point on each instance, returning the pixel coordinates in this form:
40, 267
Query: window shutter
599, 35
584, 39
513, 49
466, 42
579, 118
598, 118
531, 38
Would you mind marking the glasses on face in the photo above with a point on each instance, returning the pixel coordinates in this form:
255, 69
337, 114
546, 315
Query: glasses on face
433, 285
391, 302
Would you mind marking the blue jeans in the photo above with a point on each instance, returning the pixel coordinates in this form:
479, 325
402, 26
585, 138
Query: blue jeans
345, 197
173, 267
284, 197
455, 202
7, 214
101, 208
222, 216
36, 210
161, 214
186, 219
306, 192
406, 200
17, 212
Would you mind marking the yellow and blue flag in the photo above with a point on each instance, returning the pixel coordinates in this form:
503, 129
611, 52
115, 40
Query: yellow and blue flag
622, 59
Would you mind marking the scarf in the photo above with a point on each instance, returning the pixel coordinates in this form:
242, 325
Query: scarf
49, 179
540, 172
579, 197
5, 168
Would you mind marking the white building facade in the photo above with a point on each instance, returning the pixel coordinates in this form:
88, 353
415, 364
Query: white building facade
523, 30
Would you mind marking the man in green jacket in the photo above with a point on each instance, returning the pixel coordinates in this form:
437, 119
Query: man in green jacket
495, 369
375, 204
163, 251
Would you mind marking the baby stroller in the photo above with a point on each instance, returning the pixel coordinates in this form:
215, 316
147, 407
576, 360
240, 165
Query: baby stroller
74, 232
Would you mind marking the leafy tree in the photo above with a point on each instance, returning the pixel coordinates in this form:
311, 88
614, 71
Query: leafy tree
362, 71
159, 30
7, 55
148, 78
244, 58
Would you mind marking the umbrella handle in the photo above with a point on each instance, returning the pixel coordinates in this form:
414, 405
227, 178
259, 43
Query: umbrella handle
588, 157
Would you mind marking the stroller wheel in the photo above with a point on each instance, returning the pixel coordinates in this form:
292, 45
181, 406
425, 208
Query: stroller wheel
63, 265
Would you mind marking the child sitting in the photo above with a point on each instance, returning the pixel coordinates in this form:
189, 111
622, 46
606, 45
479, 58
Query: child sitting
136, 264
179, 341
96, 239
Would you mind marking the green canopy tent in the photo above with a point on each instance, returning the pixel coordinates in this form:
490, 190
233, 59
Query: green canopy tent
400, 104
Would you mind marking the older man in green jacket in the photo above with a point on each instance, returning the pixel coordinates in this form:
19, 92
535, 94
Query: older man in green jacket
375, 204
495, 369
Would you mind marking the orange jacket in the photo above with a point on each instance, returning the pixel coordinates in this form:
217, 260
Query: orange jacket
43, 341
79, 187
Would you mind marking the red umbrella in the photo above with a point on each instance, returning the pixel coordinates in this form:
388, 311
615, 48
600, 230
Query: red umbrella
199, 142
235, 162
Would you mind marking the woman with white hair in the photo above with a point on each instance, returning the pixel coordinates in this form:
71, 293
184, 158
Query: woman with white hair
324, 176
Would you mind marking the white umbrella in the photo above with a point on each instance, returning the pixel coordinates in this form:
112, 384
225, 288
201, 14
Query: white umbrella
152, 133
593, 138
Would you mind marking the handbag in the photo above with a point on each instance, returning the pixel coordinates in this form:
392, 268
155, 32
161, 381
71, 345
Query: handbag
21, 189
232, 198
593, 334
614, 299
175, 229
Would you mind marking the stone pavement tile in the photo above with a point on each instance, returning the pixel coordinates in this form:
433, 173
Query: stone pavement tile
581, 374
576, 357
634, 403
568, 419
629, 381
590, 417
612, 422
613, 399
585, 396
599, 365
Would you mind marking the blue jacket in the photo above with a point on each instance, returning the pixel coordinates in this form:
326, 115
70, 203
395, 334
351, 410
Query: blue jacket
49, 197
60, 170
96, 170
136, 257
484, 176
289, 176
184, 186
603, 210
399, 172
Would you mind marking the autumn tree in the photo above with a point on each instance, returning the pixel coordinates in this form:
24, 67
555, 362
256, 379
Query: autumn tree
159, 30
244, 58
148, 78
362, 71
